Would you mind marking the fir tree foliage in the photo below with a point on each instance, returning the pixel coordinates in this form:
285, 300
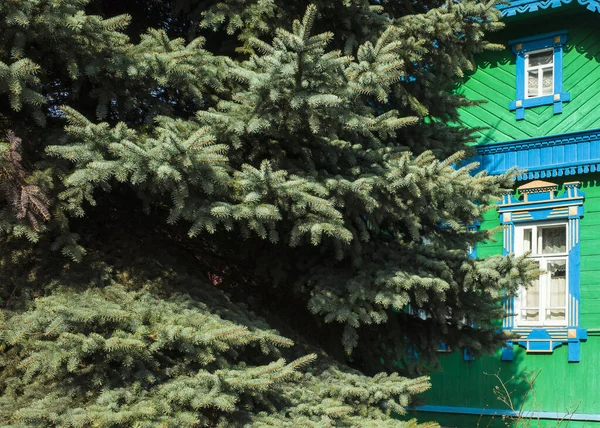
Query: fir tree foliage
26, 200
303, 157
141, 358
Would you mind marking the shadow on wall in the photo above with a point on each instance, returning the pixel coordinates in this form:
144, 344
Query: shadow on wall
529, 383
486, 383
491, 60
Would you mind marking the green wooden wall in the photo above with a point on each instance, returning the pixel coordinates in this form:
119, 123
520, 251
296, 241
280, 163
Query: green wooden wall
560, 386
494, 80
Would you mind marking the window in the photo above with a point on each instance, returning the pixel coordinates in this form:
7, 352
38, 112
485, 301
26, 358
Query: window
539, 72
540, 222
544, 302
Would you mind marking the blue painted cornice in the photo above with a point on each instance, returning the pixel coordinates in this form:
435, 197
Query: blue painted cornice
526, 6
561, 155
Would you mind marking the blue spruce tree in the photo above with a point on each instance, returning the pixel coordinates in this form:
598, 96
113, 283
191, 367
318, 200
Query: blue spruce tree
216, 213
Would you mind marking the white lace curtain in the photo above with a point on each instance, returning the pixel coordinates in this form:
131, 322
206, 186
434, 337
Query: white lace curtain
557, 290
554, 240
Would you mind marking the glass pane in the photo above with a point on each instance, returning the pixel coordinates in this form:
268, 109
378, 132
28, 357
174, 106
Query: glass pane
532, 83
547, 82
527, 240
554, 239
557, 291
541, 58
531, 309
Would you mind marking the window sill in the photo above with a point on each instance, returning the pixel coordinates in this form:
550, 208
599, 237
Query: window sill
544, 340
538, 325
546, 100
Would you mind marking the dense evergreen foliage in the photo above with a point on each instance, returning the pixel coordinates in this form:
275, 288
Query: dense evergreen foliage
218, 213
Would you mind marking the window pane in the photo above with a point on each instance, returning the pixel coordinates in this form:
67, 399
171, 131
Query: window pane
554, 239
557, 291
541, 58
531, 305
532, 83
526, 240
547, 82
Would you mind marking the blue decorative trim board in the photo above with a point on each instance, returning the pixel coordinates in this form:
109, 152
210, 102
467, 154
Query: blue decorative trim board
467, 356
539, 202
527, 414
528, 6
544, 157
521, 47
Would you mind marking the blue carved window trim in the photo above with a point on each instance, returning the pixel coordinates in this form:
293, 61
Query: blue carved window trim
521, 47
517, 7
540, 203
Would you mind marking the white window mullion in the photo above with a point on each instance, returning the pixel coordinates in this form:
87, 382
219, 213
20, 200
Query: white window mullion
543, 290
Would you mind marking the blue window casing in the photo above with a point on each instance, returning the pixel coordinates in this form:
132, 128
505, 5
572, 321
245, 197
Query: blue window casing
521, 47
540, 203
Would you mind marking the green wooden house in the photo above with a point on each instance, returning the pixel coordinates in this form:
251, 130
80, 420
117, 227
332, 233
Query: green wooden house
542, 115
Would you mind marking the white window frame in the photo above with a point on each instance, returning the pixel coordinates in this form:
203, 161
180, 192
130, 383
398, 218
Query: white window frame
539, 68
544, 277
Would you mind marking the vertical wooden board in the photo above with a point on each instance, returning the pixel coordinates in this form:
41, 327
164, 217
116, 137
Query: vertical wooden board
595, 148
546, 157
534, 157
590, 254
558, 153
583, 151
522, 157
558, 386
511, 158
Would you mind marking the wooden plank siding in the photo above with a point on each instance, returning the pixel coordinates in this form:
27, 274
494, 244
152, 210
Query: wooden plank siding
494, 80
560, 386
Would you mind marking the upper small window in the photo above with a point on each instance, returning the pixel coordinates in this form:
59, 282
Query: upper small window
539, 72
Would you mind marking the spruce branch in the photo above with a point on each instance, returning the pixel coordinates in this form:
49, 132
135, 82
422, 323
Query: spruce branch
26, 200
